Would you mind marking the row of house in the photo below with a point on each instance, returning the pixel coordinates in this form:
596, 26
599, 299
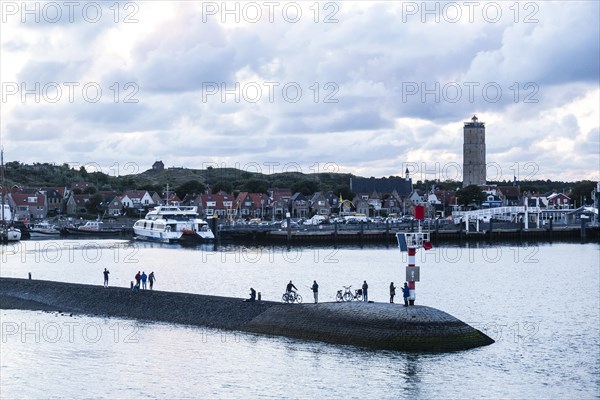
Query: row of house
385, 197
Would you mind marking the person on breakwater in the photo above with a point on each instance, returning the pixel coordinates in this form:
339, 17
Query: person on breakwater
288, 288
151, 279
106, 272
405, 294
252, 295
392, 292
144, 277
315, 289
137, 279
365, 287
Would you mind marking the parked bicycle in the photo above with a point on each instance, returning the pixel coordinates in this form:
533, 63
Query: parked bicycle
348, 295
291, 297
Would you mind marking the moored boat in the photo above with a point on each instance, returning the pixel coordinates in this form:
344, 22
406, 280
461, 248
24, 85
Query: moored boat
43, 230
10, 234
91, 228
173, 224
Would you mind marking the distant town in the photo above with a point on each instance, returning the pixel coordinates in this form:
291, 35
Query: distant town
371, 197
232, 195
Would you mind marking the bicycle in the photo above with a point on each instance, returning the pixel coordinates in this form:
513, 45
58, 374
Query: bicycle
291, 297
348, 295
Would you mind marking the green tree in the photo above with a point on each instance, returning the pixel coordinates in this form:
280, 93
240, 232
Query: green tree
190, 187
582, 190
255, 186
222, 185
470, 194
345, 191
305, 187
94, 205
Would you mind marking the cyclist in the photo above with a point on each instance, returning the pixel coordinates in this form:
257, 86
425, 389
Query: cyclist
288, 288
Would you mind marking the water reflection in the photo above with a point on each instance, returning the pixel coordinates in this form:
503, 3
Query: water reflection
505, 290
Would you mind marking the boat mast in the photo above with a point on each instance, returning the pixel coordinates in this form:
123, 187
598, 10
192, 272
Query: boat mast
2, 180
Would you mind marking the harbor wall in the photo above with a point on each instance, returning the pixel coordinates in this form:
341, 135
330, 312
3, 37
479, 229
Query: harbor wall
372, 325
388, 236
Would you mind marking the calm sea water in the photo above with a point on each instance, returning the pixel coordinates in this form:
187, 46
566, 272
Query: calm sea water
540, 302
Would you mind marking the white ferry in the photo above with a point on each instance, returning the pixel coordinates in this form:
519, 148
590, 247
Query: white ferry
173, 224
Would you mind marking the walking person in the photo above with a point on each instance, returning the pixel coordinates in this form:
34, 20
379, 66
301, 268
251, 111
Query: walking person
106, 272
151, 279
315, 289
144, 277
365, 287
392, 292
405, 294
137, 279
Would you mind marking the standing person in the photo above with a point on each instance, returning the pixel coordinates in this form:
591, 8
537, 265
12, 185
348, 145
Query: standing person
151, 279
106, 272
365, 287
315, 289
144, 277
392, 292
137, 279
405, 294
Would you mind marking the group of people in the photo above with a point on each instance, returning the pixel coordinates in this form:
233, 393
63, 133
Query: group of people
140, 279
365, 291
405, 293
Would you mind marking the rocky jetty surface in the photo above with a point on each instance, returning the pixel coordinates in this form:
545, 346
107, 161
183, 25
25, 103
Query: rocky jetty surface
374, 325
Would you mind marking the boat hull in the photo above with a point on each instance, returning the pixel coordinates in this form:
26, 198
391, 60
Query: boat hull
91, 232
10, 235
196, 238
156, 235
33, 234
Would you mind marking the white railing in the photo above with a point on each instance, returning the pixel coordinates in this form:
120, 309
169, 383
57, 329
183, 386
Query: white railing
505, 213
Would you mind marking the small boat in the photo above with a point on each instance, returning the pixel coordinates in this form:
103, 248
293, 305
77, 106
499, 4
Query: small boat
91, 228
43, 230
173, 224
10, 234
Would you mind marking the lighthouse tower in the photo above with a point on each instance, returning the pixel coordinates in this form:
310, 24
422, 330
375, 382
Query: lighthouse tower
474, 153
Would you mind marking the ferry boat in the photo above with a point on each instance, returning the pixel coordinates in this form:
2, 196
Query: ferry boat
173, 224
43, 230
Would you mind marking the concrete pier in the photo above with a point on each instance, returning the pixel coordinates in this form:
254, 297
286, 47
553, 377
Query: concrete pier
373, 325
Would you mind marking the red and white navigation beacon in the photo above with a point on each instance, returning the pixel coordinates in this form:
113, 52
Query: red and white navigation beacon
410, 242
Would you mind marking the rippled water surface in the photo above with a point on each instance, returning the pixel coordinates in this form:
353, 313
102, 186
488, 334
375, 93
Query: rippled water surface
540, 302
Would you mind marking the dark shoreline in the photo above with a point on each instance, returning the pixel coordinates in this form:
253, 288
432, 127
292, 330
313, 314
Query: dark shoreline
373, 325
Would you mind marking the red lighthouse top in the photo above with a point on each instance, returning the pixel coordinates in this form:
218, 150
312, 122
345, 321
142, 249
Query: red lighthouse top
474, 119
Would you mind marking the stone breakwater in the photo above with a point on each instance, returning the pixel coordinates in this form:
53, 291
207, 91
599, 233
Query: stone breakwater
374, 325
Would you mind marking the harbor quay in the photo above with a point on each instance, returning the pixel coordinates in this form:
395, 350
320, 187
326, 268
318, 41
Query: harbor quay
386, 233
369, 325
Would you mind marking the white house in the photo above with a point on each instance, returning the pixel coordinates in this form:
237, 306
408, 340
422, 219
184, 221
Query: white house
137, 199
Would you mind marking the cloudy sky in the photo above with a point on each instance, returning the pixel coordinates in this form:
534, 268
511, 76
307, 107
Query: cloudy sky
369, 88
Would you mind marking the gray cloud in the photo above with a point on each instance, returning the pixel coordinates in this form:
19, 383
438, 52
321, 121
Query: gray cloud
371, 56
